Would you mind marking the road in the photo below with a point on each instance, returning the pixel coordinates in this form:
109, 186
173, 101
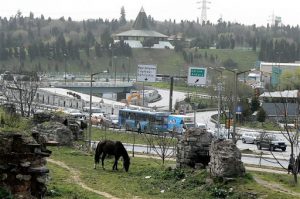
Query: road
204, 117
164, 102
247, 159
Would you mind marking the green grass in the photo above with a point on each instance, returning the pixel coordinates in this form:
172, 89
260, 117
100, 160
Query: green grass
175, 183
268, 126
167, 61
178, 86
287, 181
123, 136
60, 186
244, 58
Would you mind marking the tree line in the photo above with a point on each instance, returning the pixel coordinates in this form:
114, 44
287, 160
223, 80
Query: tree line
30, 37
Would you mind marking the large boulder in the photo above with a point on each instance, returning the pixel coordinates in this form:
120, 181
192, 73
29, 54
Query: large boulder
55, 131
193, 148
225, 159
40, 117
23, 165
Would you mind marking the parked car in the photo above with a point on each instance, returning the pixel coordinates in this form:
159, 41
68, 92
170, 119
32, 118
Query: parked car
250, 137
69, 76
271, 142
112, 121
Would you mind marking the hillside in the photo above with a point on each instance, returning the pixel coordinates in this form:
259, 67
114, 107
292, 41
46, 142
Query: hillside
167, 61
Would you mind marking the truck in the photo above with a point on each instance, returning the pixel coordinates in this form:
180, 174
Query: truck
179, 123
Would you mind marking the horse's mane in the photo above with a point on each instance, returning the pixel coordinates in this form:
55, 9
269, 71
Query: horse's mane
122, 148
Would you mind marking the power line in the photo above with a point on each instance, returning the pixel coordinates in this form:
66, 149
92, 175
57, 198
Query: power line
204, 9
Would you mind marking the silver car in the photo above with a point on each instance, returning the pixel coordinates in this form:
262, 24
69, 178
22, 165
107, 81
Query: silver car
250, 137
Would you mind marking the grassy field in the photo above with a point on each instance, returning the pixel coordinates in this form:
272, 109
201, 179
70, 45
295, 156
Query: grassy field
167, 61
244, 58
62, 187
284, 180
162, 182
123, 136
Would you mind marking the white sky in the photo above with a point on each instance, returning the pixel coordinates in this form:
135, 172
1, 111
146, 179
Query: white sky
242, 11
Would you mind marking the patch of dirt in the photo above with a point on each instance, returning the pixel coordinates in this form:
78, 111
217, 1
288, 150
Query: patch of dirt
275, 187
75, 177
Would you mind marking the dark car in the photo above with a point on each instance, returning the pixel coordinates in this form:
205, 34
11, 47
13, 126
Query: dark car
271, 142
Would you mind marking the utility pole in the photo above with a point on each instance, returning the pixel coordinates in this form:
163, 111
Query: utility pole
90, 113
171, 93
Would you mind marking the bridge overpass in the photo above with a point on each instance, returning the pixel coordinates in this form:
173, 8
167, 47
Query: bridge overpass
98, 88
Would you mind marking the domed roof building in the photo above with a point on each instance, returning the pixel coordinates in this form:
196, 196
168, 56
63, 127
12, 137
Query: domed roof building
141, 32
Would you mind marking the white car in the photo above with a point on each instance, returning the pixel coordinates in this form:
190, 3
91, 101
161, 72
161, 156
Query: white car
69, 76
250, 137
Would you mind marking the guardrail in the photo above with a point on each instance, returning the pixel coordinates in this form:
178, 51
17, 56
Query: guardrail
36, 106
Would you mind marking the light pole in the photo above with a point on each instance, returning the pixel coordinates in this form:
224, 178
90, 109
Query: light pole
219, 88
236, 74
128, 79
65, 56
115, 68
90, 112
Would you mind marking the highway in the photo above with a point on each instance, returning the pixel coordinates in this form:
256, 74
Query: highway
205, 117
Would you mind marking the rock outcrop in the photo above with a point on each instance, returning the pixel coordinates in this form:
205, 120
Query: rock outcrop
23, 169
193, 148
225, 159
55, 131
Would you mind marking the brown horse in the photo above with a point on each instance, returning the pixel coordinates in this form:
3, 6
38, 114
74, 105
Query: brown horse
116, 148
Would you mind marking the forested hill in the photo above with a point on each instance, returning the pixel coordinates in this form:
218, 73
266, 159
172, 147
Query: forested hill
45, 44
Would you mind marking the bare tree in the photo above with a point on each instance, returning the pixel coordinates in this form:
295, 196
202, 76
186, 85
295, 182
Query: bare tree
21, 91
162, 143
290, 134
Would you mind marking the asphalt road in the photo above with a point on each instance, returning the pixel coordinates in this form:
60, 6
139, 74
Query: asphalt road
204, 117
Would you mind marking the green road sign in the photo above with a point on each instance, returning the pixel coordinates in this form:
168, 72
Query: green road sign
197, 72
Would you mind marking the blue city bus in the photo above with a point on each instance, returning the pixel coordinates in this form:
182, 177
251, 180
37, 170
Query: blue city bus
143, 121
179, 123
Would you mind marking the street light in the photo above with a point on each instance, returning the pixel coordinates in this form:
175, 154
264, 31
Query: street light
219, 88
90, 112
114, 65
128, 79
65, 56
236, 74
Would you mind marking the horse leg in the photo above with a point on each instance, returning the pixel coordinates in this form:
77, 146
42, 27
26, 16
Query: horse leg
116, 162
102, 159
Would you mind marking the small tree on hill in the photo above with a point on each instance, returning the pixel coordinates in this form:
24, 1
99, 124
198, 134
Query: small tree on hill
254, 104
261, 115
148, 42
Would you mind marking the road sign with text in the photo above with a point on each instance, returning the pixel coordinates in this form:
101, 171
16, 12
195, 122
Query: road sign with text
197, 76
146, 73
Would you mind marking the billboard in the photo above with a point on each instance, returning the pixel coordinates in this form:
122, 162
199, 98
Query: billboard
197, 76
146, 73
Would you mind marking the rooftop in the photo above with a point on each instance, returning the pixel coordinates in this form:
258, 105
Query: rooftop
281, 94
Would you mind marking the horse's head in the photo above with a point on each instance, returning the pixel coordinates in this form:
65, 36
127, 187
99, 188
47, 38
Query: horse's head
126, 163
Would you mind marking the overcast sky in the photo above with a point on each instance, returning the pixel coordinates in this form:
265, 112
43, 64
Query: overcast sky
242, 11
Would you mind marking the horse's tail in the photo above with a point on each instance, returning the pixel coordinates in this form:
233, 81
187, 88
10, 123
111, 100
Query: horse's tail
98, 153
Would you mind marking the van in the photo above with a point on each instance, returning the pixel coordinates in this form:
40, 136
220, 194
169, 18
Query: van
250, 137
201, 125
95, 111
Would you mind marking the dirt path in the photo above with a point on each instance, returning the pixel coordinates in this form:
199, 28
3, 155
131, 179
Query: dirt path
75, 176
276, 187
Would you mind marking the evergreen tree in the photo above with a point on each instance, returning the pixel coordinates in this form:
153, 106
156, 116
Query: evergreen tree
261, 115
254, 104
123, 16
